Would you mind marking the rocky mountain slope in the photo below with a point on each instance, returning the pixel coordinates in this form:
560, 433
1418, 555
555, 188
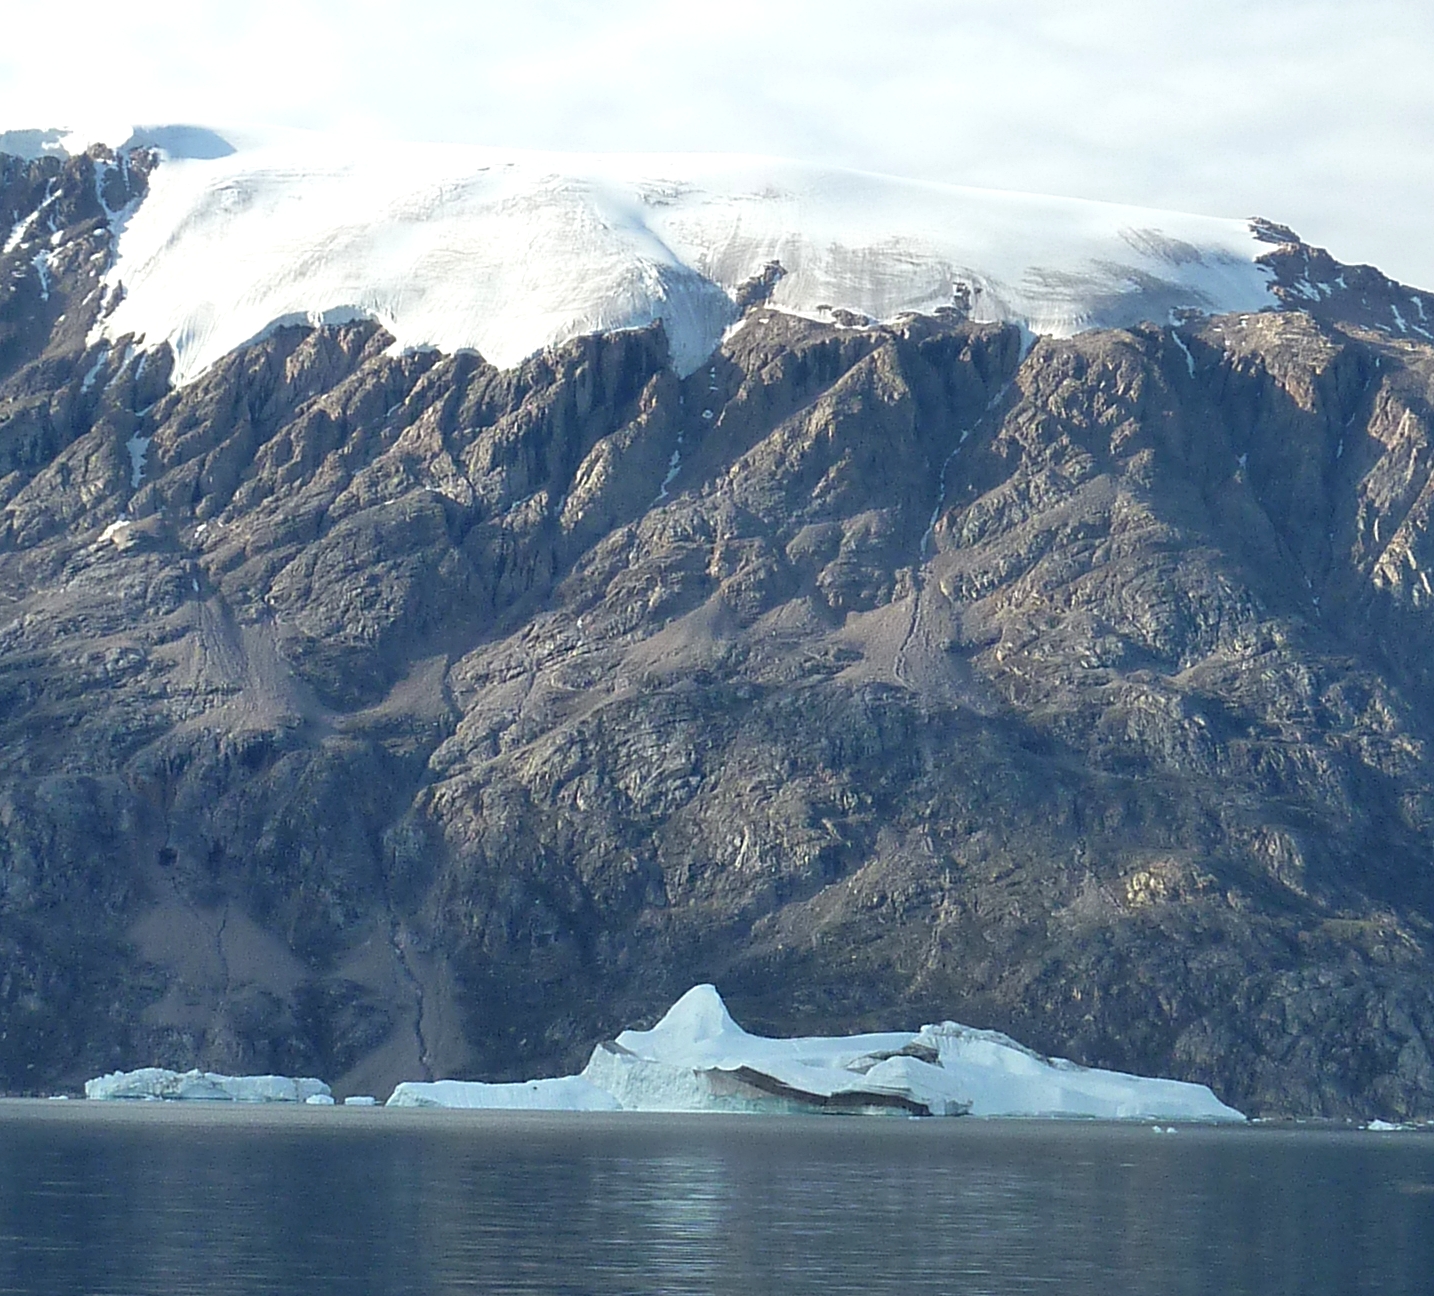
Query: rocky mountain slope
390, 716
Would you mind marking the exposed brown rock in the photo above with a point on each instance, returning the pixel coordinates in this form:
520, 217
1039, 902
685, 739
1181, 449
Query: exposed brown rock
409, 717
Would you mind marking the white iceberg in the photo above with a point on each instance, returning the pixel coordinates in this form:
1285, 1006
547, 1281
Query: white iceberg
157, 1083
698, 1059
565, 1093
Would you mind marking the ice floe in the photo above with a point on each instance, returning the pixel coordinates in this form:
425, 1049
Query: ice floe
157, 1083
565, 1093
697, 1059
507, 252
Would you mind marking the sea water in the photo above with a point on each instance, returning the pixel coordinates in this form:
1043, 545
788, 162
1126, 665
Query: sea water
163, 1198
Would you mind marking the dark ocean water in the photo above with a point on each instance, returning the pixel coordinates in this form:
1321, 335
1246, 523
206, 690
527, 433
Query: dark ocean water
163, 1200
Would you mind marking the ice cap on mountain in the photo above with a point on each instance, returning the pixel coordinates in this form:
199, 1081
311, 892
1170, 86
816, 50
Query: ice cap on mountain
507, 252
32, 144
197, 143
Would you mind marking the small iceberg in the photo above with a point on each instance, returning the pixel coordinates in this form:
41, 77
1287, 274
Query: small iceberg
565, 1093
150, 1084
697, 1059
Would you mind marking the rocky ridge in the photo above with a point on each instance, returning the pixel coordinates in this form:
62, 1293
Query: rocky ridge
390, 717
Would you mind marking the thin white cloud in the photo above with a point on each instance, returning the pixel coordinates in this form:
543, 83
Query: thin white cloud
1312, 112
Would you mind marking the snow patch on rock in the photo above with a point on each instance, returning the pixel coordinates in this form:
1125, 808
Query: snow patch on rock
138, 447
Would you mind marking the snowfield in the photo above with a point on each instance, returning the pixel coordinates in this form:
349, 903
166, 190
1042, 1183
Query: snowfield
508, 252
698, 1059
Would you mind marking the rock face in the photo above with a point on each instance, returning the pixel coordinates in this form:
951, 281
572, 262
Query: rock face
391, 717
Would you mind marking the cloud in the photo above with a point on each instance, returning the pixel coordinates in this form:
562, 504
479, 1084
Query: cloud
1315, 113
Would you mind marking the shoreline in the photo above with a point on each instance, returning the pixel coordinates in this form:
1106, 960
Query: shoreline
278, 1116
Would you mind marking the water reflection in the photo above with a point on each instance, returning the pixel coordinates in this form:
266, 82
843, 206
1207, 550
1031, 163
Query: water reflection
234, 1202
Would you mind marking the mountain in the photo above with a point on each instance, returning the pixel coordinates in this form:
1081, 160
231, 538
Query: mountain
375, 707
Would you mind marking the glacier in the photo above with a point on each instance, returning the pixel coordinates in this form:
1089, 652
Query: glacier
157, 1083
507, 252
697, 1059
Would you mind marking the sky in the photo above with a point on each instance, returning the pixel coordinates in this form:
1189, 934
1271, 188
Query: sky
1313, 113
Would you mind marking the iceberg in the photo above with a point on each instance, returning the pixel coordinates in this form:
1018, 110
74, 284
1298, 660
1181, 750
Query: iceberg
697, 1059
565, 1093
156, 1083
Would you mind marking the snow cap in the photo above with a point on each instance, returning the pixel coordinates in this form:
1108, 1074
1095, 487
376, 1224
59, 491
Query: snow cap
507, 252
